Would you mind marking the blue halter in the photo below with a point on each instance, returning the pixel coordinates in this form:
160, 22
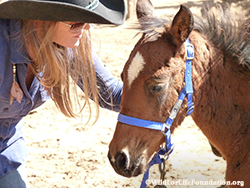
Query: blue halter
187, 90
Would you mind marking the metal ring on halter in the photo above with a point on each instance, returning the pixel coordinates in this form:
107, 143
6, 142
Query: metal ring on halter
189, 110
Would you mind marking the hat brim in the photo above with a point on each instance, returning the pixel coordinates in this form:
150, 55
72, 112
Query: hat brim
107, 12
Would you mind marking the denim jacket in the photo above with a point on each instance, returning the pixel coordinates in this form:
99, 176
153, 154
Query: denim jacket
13, 151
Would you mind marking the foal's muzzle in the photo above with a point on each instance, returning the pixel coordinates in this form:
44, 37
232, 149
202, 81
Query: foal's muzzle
124, 166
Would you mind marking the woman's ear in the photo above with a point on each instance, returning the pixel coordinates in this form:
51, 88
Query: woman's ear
86, 26
37, 23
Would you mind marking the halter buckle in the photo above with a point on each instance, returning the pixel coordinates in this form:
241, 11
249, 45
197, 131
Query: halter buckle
190, 51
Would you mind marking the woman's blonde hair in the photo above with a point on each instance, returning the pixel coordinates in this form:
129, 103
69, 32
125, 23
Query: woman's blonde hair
56, 67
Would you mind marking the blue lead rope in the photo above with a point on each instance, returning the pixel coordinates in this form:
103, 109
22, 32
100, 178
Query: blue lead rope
186, 91
155, 160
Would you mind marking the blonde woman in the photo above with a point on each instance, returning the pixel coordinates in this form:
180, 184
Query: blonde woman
44, 47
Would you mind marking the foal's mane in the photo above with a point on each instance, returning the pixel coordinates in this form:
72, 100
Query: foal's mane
220, 26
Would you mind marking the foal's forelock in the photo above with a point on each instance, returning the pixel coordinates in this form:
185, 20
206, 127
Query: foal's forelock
153, 27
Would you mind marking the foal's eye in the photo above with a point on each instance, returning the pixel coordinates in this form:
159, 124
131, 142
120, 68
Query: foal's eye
158, 88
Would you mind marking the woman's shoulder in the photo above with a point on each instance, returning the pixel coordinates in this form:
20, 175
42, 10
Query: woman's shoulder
4, 22
6, 25
9, 30
8, 21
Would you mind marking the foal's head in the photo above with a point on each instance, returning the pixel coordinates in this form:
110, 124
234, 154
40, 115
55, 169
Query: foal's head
153, 78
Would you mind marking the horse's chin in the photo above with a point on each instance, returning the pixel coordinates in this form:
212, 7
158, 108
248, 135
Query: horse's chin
129, 168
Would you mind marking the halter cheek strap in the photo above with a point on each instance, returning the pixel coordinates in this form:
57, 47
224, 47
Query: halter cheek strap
187, 90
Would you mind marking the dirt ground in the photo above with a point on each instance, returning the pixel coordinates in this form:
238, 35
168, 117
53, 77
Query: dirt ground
65, 153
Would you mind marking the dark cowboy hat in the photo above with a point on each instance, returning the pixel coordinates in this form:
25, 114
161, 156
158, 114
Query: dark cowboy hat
88, 11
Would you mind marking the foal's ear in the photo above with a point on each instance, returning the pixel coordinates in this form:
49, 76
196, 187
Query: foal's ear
182, 25
144, 8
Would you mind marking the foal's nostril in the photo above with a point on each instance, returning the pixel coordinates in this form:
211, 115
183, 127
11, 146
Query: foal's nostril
125, 166
121, 160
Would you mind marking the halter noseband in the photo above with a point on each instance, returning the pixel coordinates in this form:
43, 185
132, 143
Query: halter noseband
187, 90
